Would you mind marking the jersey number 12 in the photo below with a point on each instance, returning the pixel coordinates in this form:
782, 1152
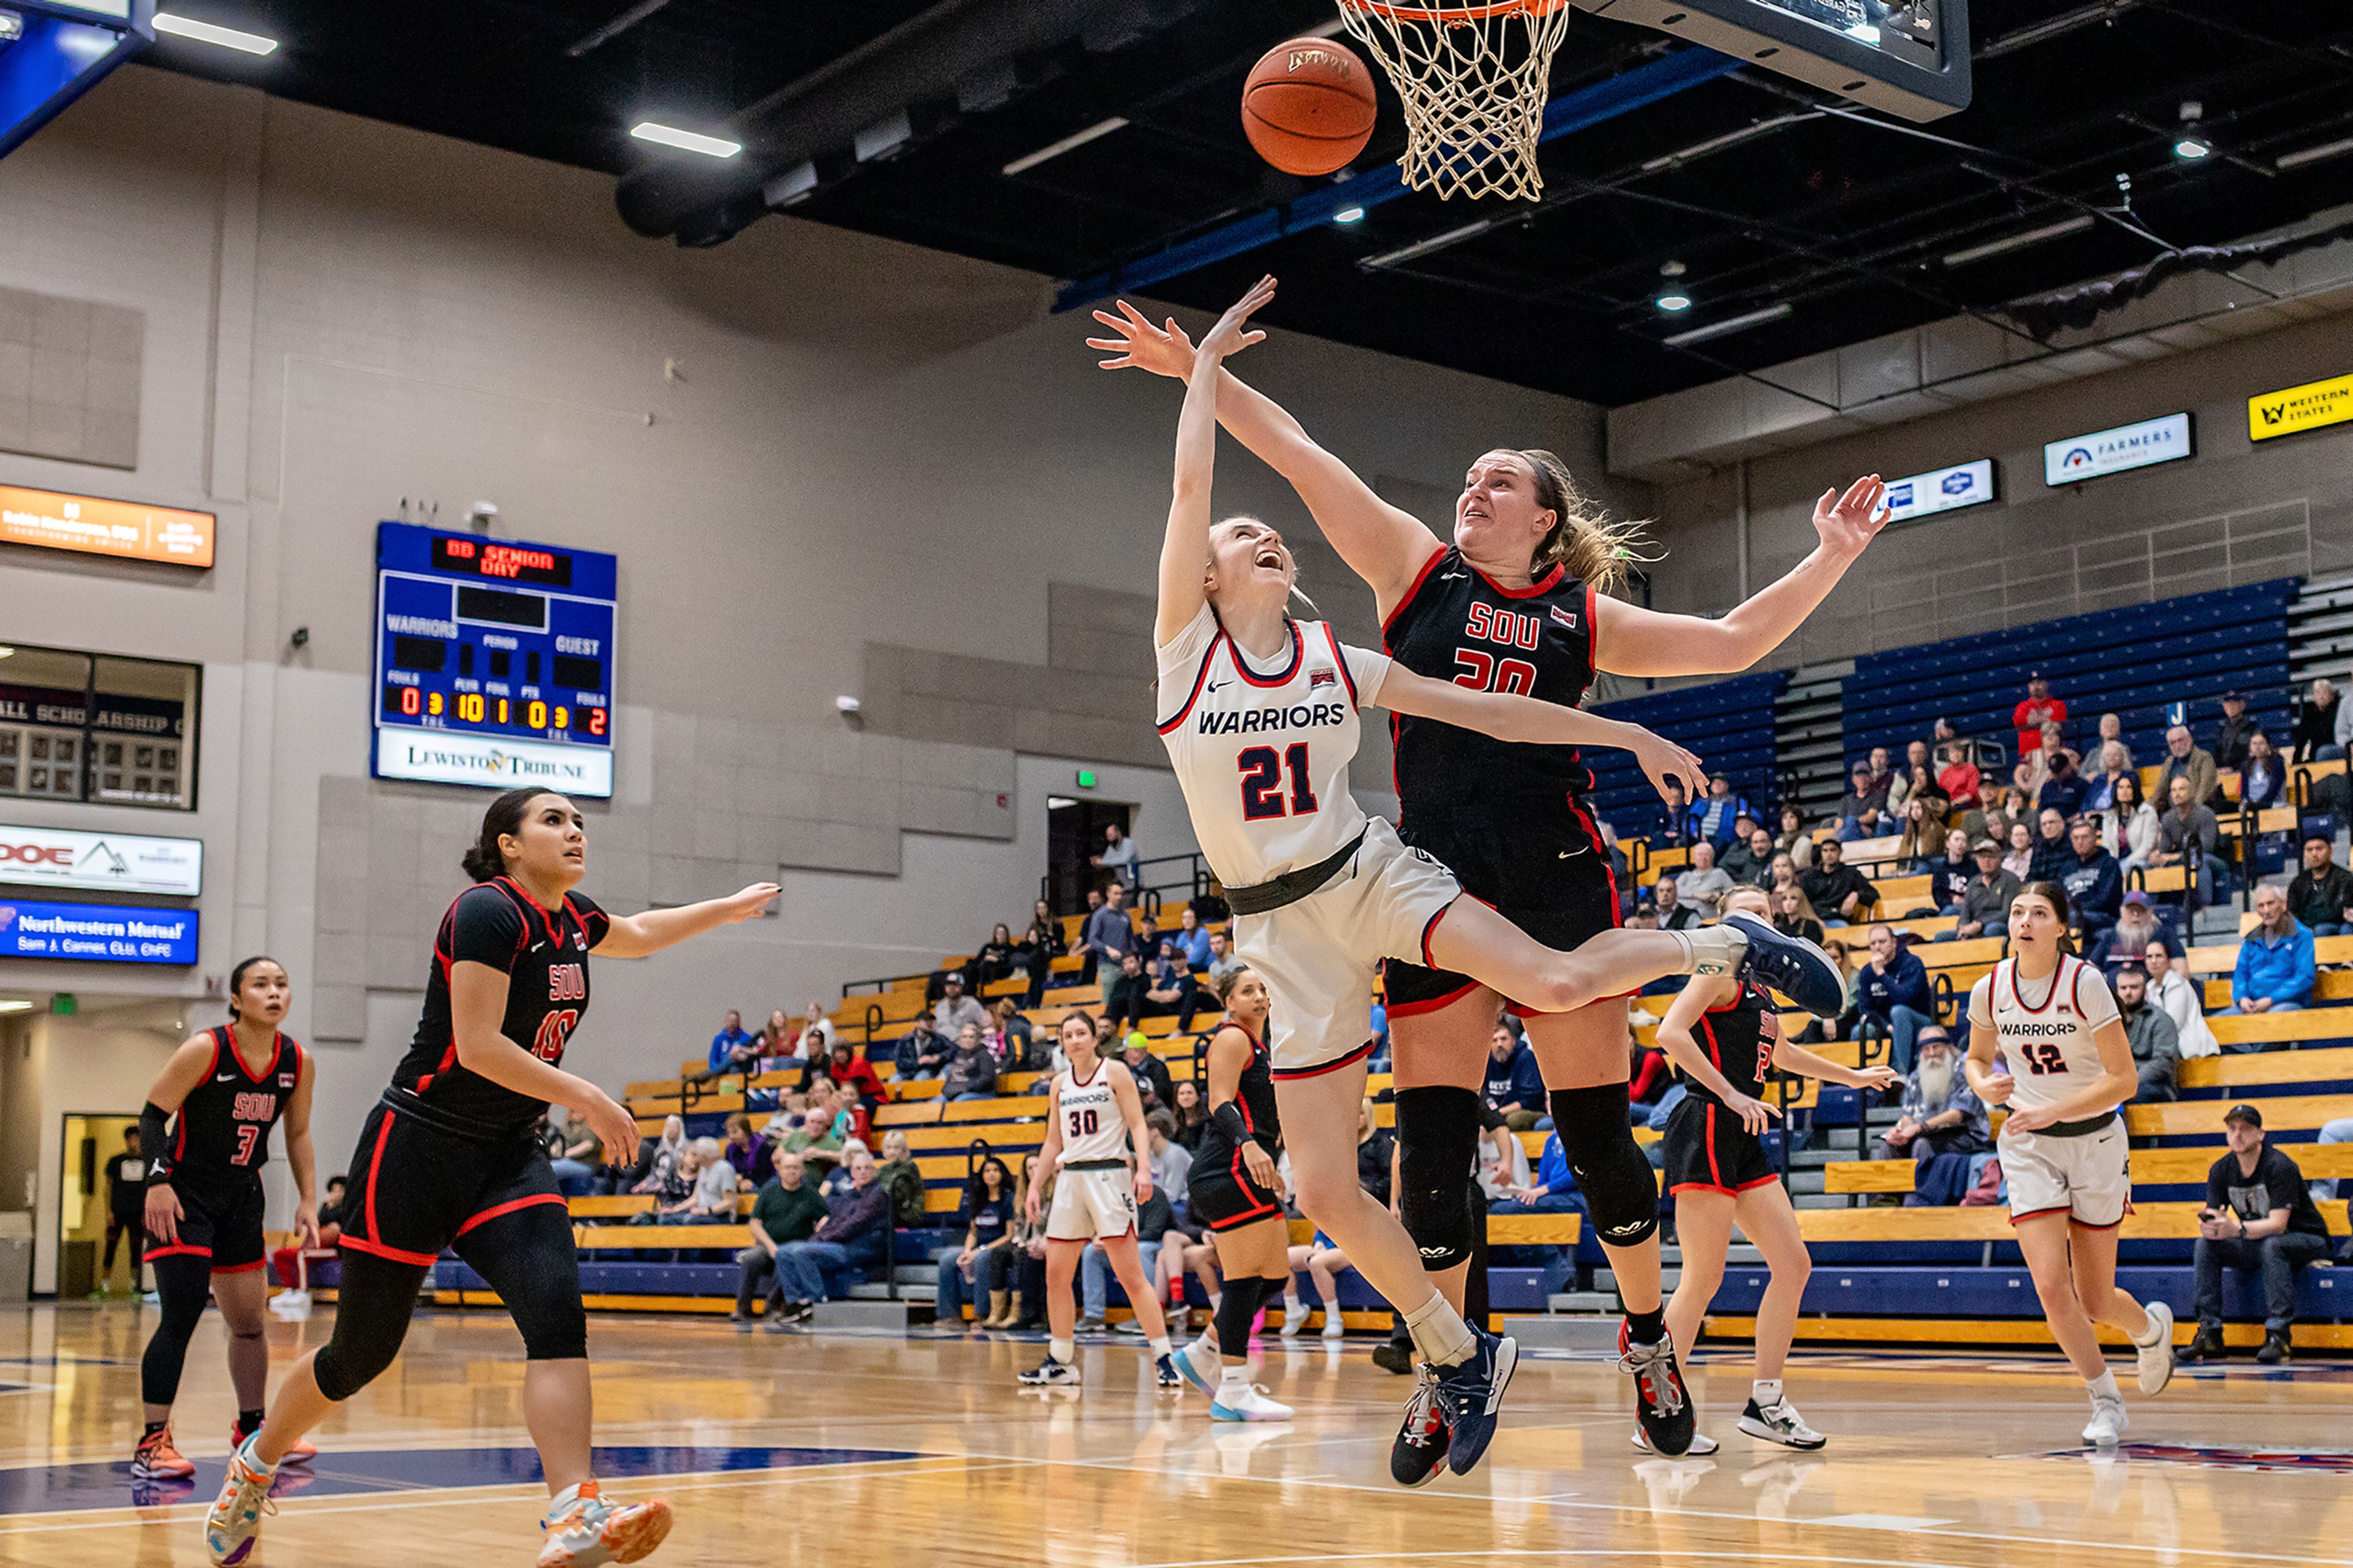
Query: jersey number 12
1263, 773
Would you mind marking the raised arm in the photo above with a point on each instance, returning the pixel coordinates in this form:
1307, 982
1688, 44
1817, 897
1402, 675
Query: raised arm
1795, 1059
641, 935
1382, 545
1631, 640
1509, 716
1185, 548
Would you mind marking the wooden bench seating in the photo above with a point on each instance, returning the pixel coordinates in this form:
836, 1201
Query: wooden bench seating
2150, 1167
2147, 1222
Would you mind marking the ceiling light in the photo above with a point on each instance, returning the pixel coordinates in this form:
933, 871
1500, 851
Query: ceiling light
2303, 155
14, 1005
685, 140
1674, 300
2190, 149
1425, 247
1349, 215
1724, 329
2008, 243
1056, 148
206, 33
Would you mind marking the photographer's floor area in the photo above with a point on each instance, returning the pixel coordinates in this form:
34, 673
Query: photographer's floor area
829, 1447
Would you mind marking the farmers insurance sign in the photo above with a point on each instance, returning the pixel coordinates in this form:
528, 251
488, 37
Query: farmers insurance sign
2164, 440
57, 858
2307, 407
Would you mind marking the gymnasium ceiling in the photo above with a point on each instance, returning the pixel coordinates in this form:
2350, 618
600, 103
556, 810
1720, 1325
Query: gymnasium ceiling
1859, 225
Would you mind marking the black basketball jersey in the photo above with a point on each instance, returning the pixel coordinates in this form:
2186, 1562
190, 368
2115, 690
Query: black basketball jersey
1458, 624
222, 1130
1254, 1097
544, 953
1738, 1039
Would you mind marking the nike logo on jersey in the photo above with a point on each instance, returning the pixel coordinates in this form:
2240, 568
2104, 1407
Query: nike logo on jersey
1217, 686
1567, 853
224, 1078
1452, 576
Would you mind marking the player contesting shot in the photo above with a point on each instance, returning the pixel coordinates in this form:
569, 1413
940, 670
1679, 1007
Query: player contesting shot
1519, 600
2050, 1022
1261, 723
449, 1157
206, 1132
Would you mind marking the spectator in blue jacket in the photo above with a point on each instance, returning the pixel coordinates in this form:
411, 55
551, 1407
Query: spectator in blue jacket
733, 1049
2261, 778
2095, 882
1516, 1086
1192, 940
1716, 817
1893, 992
851, 1234
1554, 1190
2064, 789
2275, 968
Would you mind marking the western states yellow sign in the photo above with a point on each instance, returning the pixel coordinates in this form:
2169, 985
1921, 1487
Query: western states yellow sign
2299, 408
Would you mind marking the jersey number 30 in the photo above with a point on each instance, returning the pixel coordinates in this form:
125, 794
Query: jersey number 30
1262, 782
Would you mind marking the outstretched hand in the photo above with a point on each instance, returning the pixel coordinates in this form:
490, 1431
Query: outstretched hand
1140, 345
1231, 335
1661, 760
1848, 522
749, 904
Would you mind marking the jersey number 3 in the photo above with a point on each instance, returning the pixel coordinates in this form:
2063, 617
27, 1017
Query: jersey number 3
1262, 782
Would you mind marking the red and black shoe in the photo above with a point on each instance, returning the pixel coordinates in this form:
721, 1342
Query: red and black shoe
302, 1453
1663, 1406
1420, 1452
157, 1458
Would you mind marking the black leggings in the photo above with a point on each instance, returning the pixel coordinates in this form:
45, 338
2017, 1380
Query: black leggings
526, 1256
185, 1284
132, 1230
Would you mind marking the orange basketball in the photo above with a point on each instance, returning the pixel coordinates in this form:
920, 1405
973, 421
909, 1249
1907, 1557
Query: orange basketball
1308, 107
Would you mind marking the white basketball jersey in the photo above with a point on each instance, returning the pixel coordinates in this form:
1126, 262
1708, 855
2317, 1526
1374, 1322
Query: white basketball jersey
1092, 1128
1264, 758
2044, 1038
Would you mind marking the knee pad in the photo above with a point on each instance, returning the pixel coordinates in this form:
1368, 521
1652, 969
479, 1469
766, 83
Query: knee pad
1621, 1193
1438, 1148
347, 1363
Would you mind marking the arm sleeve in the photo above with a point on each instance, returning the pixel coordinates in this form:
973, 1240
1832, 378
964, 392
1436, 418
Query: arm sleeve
485, 929
1369, 670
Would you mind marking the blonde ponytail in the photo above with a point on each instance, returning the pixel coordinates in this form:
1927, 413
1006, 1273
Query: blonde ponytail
1584, 540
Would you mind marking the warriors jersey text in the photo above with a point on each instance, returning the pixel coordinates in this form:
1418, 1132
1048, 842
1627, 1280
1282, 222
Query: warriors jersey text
1264, 758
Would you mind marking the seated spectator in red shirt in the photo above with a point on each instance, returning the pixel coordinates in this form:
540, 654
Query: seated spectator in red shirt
2039, 709
1958, 777
1649, 1079
850, 1071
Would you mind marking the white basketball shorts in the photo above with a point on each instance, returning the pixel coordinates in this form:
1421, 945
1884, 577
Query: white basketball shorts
1319, 956
1090, 1204
2088, 1178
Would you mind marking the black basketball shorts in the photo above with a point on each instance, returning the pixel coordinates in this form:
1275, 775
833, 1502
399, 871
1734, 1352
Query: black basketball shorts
1543, 869
1221, 1195
415, 1188
217, 1221
1709, 1148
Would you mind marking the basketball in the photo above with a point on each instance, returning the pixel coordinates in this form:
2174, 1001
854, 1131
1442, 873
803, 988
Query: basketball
1308, 107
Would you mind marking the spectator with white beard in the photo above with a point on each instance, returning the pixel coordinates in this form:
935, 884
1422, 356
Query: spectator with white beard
1941, 1116
2136, 926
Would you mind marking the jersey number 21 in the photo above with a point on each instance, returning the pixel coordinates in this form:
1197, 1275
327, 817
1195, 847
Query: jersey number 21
1263, 773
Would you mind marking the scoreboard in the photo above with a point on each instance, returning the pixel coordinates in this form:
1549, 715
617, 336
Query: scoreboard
494, 661
1909, 58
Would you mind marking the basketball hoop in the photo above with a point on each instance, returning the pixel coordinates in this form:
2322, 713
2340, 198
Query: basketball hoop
1473, 79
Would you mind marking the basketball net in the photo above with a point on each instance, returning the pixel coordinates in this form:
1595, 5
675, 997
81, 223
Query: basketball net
1473, 79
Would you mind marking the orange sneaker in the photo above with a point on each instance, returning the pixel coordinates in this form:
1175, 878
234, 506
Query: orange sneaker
302, 1453
156, 1460
588, 1531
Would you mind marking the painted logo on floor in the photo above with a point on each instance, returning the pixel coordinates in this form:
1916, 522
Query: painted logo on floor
2309, 1461
57, 1489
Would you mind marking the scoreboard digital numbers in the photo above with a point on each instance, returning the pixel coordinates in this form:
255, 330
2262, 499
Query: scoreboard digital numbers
494, 661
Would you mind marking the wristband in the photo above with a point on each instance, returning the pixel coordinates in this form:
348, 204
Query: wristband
1228, 1119
153, 1141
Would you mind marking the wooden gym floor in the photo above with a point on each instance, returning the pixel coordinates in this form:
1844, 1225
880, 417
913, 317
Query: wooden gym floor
847, 1448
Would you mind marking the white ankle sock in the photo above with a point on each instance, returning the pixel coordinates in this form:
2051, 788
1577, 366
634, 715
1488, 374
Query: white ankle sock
1063, 1350
1711, 950
2102, 1387
1160, 1347
1766, 1392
